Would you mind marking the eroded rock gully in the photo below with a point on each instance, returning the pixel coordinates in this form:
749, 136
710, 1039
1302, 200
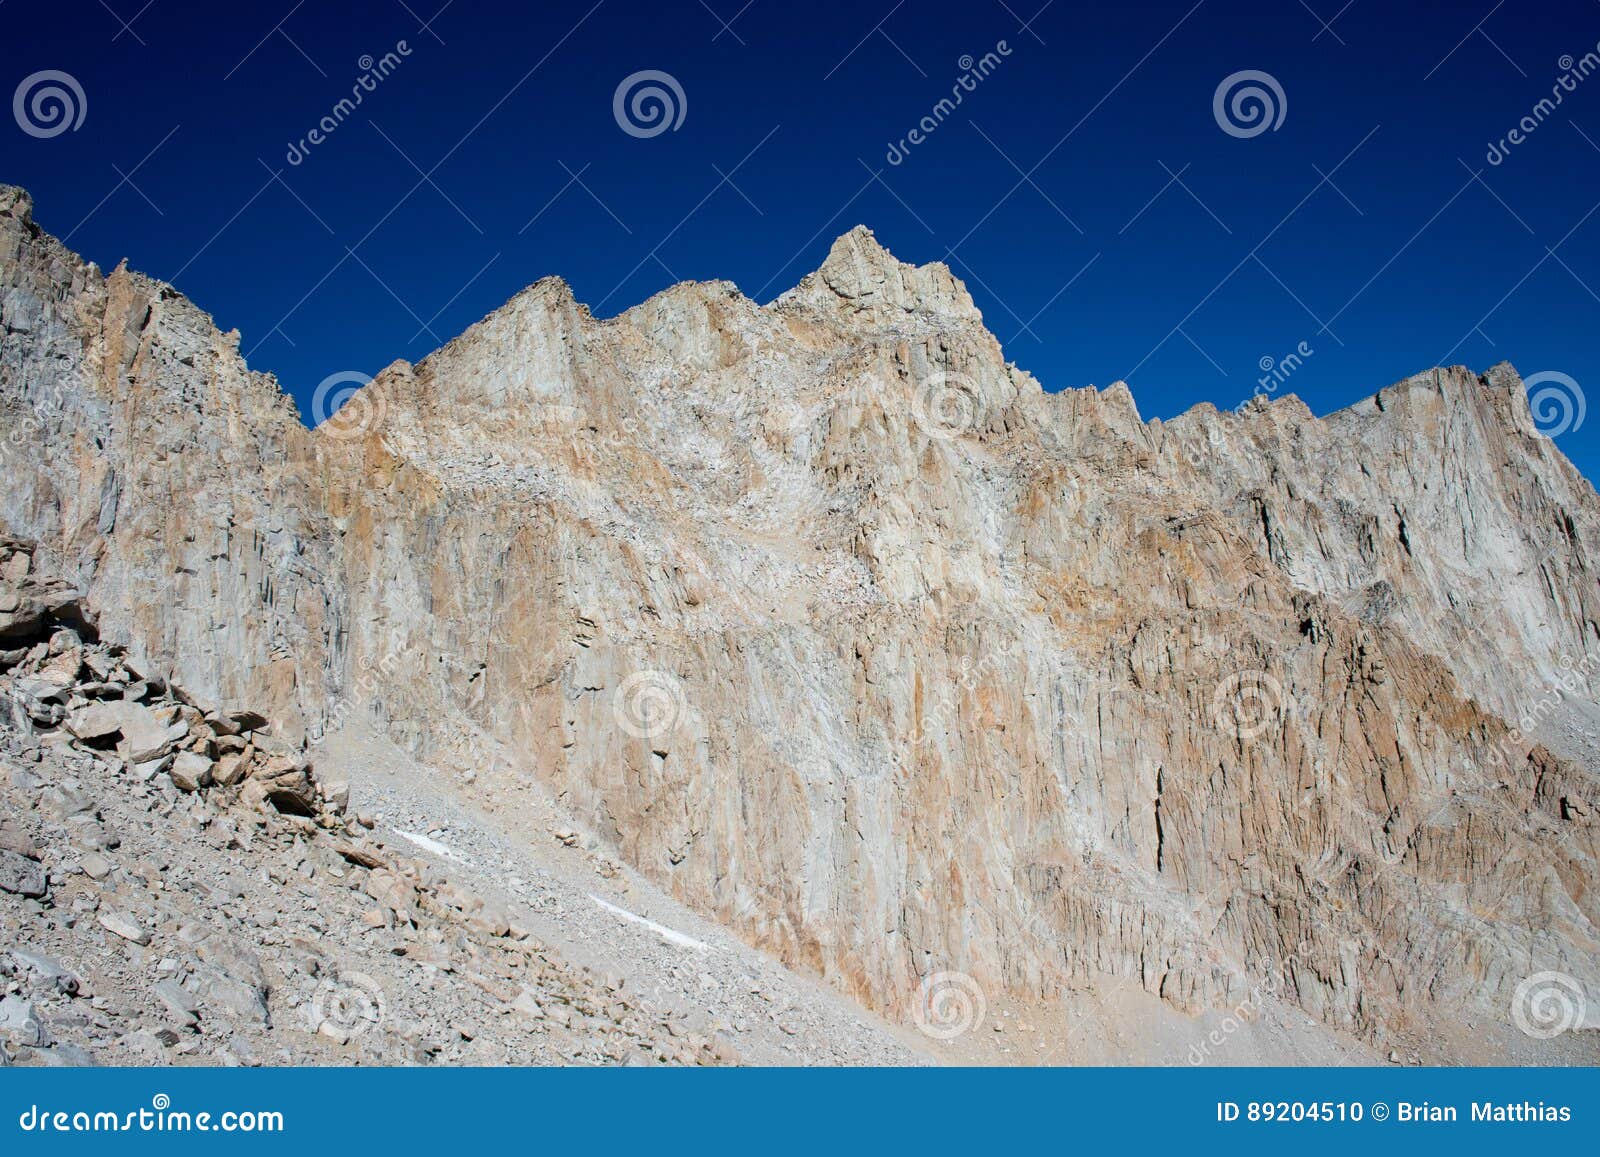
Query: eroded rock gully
844, 632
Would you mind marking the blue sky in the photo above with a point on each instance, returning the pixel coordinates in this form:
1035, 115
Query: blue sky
1107, 222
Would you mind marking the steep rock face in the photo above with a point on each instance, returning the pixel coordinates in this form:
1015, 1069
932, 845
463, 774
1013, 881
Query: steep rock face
173, 484
844, 631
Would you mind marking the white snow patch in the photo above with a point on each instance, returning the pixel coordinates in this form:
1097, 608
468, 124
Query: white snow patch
432, 845
661, 930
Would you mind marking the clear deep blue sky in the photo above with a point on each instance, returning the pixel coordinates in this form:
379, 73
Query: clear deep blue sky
1402, 260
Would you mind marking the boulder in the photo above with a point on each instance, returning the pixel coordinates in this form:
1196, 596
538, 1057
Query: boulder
226, 992
230, 769
190, 771
21, 876
97, 721
287, 785
144, 737
123, 925
43, 701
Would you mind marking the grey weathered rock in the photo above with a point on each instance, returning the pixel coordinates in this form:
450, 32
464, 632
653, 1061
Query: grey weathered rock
95, 721
43, 700
43, 965
836, 626
190, 771
123, 925
527, 1003
144, 737
20, 1020
22, 876
179, 1001
228, 993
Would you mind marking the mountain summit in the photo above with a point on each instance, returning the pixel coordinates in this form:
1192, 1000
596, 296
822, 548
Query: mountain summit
846, 634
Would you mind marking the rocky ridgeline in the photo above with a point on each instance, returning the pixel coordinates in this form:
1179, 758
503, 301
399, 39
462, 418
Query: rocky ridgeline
177, 886
838, 628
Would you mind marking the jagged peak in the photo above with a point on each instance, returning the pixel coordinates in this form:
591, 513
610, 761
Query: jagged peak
861, 279
16, 202
861, 275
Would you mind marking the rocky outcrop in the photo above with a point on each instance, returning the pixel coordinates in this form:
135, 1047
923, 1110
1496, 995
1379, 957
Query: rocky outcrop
251, 968
841, 629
